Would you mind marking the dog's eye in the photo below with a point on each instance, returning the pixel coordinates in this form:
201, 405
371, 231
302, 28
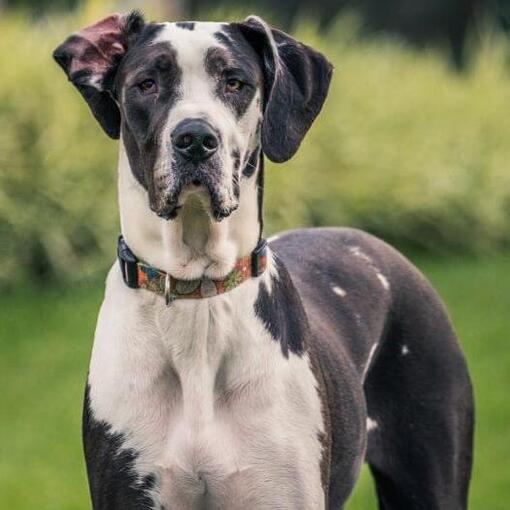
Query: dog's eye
147, 86
234, 85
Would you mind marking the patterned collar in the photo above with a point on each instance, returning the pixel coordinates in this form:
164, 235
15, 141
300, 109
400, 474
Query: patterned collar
138, 275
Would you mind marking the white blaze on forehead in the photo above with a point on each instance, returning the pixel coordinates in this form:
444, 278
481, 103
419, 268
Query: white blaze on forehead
197, 88
191, 47
202, 35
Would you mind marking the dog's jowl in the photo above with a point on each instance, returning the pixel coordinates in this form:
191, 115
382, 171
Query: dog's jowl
228, 373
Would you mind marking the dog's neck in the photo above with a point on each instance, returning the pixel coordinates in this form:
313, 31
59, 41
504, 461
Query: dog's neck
192, 245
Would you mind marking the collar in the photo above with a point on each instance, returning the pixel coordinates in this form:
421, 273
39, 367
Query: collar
138, 275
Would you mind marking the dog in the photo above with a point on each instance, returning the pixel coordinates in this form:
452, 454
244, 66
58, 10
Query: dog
230, 373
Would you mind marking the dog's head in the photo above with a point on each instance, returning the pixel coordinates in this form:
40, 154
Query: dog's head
195, 102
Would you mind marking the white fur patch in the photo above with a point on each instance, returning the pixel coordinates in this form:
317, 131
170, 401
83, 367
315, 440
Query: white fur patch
201, 389
339, 291
371, 424
384, 281
357, 252
369, 360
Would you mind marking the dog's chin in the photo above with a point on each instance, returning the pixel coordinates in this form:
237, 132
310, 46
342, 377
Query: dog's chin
196, 184
210, 200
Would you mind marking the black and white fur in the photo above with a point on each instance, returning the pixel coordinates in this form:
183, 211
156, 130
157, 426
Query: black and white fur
270, 396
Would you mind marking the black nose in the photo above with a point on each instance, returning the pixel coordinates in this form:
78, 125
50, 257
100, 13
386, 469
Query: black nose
194, 139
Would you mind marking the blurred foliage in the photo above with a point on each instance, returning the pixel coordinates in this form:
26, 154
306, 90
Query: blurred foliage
39, 6
405, 148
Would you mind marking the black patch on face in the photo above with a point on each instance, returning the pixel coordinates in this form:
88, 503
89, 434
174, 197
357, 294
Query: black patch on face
149, 33
260, 193
282, 312
236, 162
252, 163
113, 481
237, 62
144, 115
186, 25
236, 158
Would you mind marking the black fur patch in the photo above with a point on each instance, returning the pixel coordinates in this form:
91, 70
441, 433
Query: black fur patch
112, 480
236, 157
144, 116
260, 193
252, 163
186, 25
85, 51
293, 96
231, 63
282, 312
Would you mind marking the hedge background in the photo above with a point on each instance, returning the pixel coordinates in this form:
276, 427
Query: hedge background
406, 148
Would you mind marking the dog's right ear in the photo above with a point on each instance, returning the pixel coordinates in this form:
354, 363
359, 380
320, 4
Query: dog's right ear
90, 59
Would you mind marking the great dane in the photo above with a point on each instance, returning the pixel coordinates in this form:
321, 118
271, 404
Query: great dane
228, 373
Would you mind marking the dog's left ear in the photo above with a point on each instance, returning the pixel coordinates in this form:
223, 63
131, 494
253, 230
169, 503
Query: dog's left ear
296, 82
90, 59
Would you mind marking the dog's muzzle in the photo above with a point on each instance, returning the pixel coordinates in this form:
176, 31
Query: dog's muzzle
196, 164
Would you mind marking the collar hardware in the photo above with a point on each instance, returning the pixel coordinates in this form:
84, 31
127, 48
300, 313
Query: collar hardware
259, 258
128, 264
136, 274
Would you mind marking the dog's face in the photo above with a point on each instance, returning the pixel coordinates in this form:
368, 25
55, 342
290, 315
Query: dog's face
190, 105
195, 102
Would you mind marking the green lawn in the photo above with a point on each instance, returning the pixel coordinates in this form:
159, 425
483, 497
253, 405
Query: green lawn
45, 342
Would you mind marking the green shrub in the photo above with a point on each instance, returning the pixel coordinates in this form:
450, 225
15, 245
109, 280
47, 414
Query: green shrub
405, 148
58, 212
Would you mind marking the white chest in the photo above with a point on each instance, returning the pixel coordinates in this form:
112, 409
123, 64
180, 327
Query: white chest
204, 395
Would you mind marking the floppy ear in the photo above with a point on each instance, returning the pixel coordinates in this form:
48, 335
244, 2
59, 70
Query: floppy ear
90, 59
296, 84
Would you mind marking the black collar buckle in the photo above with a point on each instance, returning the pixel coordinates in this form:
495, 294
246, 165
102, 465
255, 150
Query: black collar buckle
257, 268
128, 264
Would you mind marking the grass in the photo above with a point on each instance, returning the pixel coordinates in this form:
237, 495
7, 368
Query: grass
46, 337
